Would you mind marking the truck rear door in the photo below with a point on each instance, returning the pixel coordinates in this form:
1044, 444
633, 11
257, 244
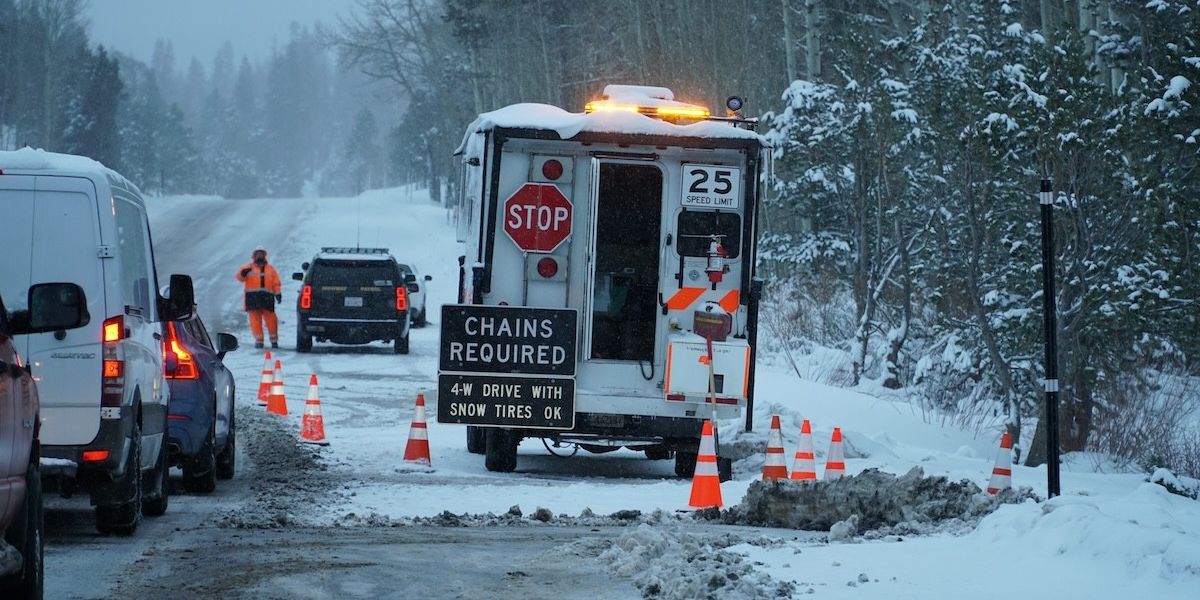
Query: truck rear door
354, 289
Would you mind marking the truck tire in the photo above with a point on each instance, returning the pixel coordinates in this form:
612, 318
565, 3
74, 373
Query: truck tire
123, 517
500, 452
200, 473
685, 464
160, 480
27, 534
475, 440
227, 459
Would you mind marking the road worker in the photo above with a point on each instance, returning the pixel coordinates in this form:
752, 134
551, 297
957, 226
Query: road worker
262, 291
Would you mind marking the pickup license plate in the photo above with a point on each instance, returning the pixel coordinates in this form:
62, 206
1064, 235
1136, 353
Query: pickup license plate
353, 301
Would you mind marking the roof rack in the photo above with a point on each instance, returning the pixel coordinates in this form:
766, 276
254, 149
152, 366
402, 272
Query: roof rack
348, 250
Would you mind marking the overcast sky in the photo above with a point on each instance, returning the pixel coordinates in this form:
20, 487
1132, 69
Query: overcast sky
199, 27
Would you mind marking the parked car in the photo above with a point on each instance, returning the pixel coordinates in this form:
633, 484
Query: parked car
416, 294
50, 307
104, 396
353, 296
201, 432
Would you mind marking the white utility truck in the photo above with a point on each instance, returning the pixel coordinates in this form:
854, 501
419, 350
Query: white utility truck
608, 255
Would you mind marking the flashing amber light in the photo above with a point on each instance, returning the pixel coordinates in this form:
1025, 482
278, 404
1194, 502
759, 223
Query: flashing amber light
114, 329
306, 297
185, 365
682, 112
95, 455
666, 112
401, 298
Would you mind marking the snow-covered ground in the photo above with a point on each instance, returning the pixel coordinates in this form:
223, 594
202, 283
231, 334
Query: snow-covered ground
1110, 535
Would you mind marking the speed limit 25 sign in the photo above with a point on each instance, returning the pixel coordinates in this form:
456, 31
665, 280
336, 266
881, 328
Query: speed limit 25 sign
711, 186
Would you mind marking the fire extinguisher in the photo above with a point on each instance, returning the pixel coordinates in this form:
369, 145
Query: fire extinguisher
716, 261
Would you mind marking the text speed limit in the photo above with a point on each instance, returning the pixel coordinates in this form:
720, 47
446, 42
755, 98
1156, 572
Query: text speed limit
711, 186
522, 402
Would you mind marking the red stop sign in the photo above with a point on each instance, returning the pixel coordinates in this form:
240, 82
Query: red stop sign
537, 217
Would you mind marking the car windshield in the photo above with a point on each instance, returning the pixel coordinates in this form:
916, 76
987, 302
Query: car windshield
353, 272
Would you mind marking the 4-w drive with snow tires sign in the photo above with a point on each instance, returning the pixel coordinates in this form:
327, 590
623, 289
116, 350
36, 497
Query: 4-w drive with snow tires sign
637, 218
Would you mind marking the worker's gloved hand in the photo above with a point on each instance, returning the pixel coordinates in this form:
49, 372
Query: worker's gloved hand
279, 297
245, 271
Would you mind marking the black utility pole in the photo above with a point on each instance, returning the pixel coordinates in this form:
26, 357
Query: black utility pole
1050, 329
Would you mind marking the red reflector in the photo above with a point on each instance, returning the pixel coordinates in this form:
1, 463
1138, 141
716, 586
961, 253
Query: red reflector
95, 455
676, 397
306, 297
178, 418
552, 169
114, 328
114, 369
547, 267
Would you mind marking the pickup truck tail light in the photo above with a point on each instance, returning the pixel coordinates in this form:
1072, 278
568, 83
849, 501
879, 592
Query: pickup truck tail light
306, 297
401, 298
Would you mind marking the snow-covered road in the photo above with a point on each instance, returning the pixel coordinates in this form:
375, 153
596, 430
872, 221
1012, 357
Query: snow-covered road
348, 519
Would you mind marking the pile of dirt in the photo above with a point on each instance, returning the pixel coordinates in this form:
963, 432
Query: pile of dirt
291, 482
672, 564
871, 500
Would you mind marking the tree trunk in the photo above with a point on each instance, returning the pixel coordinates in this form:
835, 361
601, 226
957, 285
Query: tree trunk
812, 39
899, 335
789, 44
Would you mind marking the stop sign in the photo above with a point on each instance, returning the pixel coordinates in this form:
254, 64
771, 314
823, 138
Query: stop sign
537, 217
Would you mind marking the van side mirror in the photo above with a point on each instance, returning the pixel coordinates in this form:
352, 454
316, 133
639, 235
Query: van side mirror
182, 299
54, 307
410, 278
226, 343
429, 278
298, 276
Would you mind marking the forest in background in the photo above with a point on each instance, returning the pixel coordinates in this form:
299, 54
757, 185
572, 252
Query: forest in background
901, 238
909, 140
292, 123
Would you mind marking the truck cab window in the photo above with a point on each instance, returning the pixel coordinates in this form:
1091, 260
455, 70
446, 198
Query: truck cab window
695, 227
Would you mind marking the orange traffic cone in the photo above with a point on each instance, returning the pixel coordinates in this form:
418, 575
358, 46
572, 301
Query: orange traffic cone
775, 467
805, 466
706, 482
417, 450
835, 461
277, 402
1002, 472
264, 384
312, 428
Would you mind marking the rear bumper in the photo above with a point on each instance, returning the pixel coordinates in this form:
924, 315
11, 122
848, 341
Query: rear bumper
113, 436
354, 330
189, 417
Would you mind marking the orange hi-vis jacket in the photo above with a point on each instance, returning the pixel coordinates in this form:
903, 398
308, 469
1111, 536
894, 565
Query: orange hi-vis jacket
260, 281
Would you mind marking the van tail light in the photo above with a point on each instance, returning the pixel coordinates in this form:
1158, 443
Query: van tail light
306, 297
112, 377
177, 362
401, 298
94, 455
114, 329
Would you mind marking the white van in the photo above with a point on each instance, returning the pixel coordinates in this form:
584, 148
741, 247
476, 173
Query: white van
103, 391
635, 221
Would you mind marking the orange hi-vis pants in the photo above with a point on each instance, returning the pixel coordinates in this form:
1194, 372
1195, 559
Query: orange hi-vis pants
257, 317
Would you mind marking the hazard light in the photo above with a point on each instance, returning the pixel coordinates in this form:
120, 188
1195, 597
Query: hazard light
663, 112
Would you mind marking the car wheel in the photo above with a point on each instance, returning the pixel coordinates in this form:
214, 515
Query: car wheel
200, 473
685, 464
475, 439
227, 459
27, 534
160, 479
500, 452
401, 344
123, 518
304, 341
